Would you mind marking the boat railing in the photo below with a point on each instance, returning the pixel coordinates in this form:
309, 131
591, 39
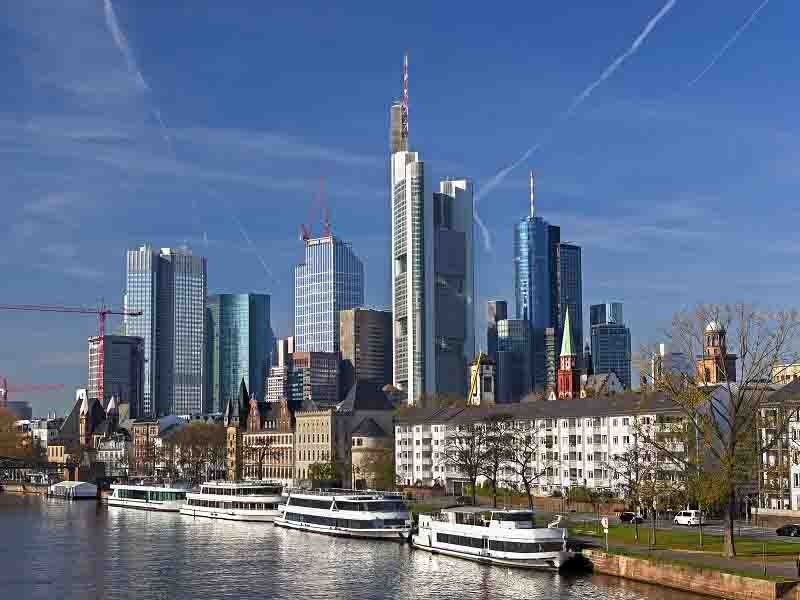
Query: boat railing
342, 492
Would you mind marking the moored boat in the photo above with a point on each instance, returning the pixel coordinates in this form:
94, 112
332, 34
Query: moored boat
347, 513
502, 537
164, 498
235, 501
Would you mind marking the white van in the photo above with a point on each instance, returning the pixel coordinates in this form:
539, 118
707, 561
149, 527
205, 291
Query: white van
688, 517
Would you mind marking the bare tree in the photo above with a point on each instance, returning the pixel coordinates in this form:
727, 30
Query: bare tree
496, 438
522, 450
258, 449
464, 451
723, 403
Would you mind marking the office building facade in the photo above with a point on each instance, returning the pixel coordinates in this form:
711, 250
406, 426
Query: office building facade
611, 342
366, 347
314, 377
571, 292
238, 347
497, 310
123, 371
513, 364
453, 316
169, 287
330, 280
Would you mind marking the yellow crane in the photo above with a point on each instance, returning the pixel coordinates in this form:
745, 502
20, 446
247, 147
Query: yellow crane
476, 376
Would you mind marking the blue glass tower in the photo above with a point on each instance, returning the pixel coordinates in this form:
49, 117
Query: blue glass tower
330, 280
239, 345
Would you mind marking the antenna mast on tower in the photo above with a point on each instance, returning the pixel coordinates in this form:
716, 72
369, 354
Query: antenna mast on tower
533, 199
405, 96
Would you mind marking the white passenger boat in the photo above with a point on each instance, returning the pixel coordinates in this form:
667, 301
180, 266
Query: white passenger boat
166, 498
502, 537
235, 501
347, 513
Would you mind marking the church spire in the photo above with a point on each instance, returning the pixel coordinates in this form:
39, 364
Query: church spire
566, 340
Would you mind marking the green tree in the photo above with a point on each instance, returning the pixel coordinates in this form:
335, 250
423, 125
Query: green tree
377, 467
323, 472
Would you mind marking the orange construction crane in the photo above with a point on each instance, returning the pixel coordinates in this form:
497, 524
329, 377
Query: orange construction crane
101, 313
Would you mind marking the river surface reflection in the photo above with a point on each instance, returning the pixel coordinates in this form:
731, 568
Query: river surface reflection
78, 550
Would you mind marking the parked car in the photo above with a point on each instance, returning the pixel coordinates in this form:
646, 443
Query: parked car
630, 517
687, 517
791, 530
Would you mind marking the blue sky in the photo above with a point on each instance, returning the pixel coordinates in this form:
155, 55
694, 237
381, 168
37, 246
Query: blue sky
678, 194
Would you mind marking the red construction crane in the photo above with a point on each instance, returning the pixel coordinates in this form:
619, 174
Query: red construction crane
8, 388
101, 313
318, 202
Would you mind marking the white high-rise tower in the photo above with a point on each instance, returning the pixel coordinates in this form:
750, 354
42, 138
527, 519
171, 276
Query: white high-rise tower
432, 271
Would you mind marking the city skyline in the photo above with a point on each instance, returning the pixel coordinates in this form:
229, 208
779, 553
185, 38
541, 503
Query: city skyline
94, 124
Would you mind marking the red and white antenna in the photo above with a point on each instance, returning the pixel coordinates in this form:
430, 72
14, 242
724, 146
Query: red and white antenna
405, 96
326, 211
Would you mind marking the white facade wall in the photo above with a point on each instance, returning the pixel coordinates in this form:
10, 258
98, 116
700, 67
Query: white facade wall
581, 450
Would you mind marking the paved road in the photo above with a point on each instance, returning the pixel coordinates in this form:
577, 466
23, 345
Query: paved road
713, 527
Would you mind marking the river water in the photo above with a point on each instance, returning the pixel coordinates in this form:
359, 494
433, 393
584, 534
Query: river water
55, 549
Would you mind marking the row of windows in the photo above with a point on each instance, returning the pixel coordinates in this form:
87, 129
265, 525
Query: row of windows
233, 505
344, 523
149, 496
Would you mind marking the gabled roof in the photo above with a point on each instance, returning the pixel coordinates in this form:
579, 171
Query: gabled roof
365, 395
368, 428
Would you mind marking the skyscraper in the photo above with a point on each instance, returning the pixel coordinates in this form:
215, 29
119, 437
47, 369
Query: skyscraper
537, 287
611, 342
238, 347
408, 254
366, 346
514, 361
432, 271
169, 287
601, 314
123, 376
453, 318
571, 284
497, 311
330, 280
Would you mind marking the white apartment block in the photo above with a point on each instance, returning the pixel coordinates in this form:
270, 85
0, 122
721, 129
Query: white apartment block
578, 439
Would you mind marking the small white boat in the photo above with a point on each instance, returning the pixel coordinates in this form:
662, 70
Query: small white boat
502, 537
347, 513
166, 498
235, 501
73, 490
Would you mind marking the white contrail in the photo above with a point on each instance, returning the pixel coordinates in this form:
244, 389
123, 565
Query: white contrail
121, 40
487, 237
253, 248
581, 98
122, 43
124, 47
728, 44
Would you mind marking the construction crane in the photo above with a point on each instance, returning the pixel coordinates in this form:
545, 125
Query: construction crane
476, 376
101, 313
317, 202
7, 388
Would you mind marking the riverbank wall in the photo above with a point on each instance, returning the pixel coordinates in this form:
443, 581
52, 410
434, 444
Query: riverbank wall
692, 579
31, 489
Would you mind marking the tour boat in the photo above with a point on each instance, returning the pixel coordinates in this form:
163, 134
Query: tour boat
501, 537
235, 501
347, 513
165, 498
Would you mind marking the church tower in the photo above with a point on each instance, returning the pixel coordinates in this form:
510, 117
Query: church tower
715, 365
569, 376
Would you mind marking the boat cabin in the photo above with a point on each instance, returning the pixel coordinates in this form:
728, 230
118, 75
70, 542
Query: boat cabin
480, 516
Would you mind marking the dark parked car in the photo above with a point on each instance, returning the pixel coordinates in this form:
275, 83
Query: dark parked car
629, 517
792, 530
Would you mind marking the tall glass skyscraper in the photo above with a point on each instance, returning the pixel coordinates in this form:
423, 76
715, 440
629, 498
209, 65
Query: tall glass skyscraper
169, 287
571, 290
330, 280
536, 272
611, 342
238, 347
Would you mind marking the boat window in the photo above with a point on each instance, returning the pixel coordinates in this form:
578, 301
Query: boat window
309, 502
459, 540
524, 517
525, 547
